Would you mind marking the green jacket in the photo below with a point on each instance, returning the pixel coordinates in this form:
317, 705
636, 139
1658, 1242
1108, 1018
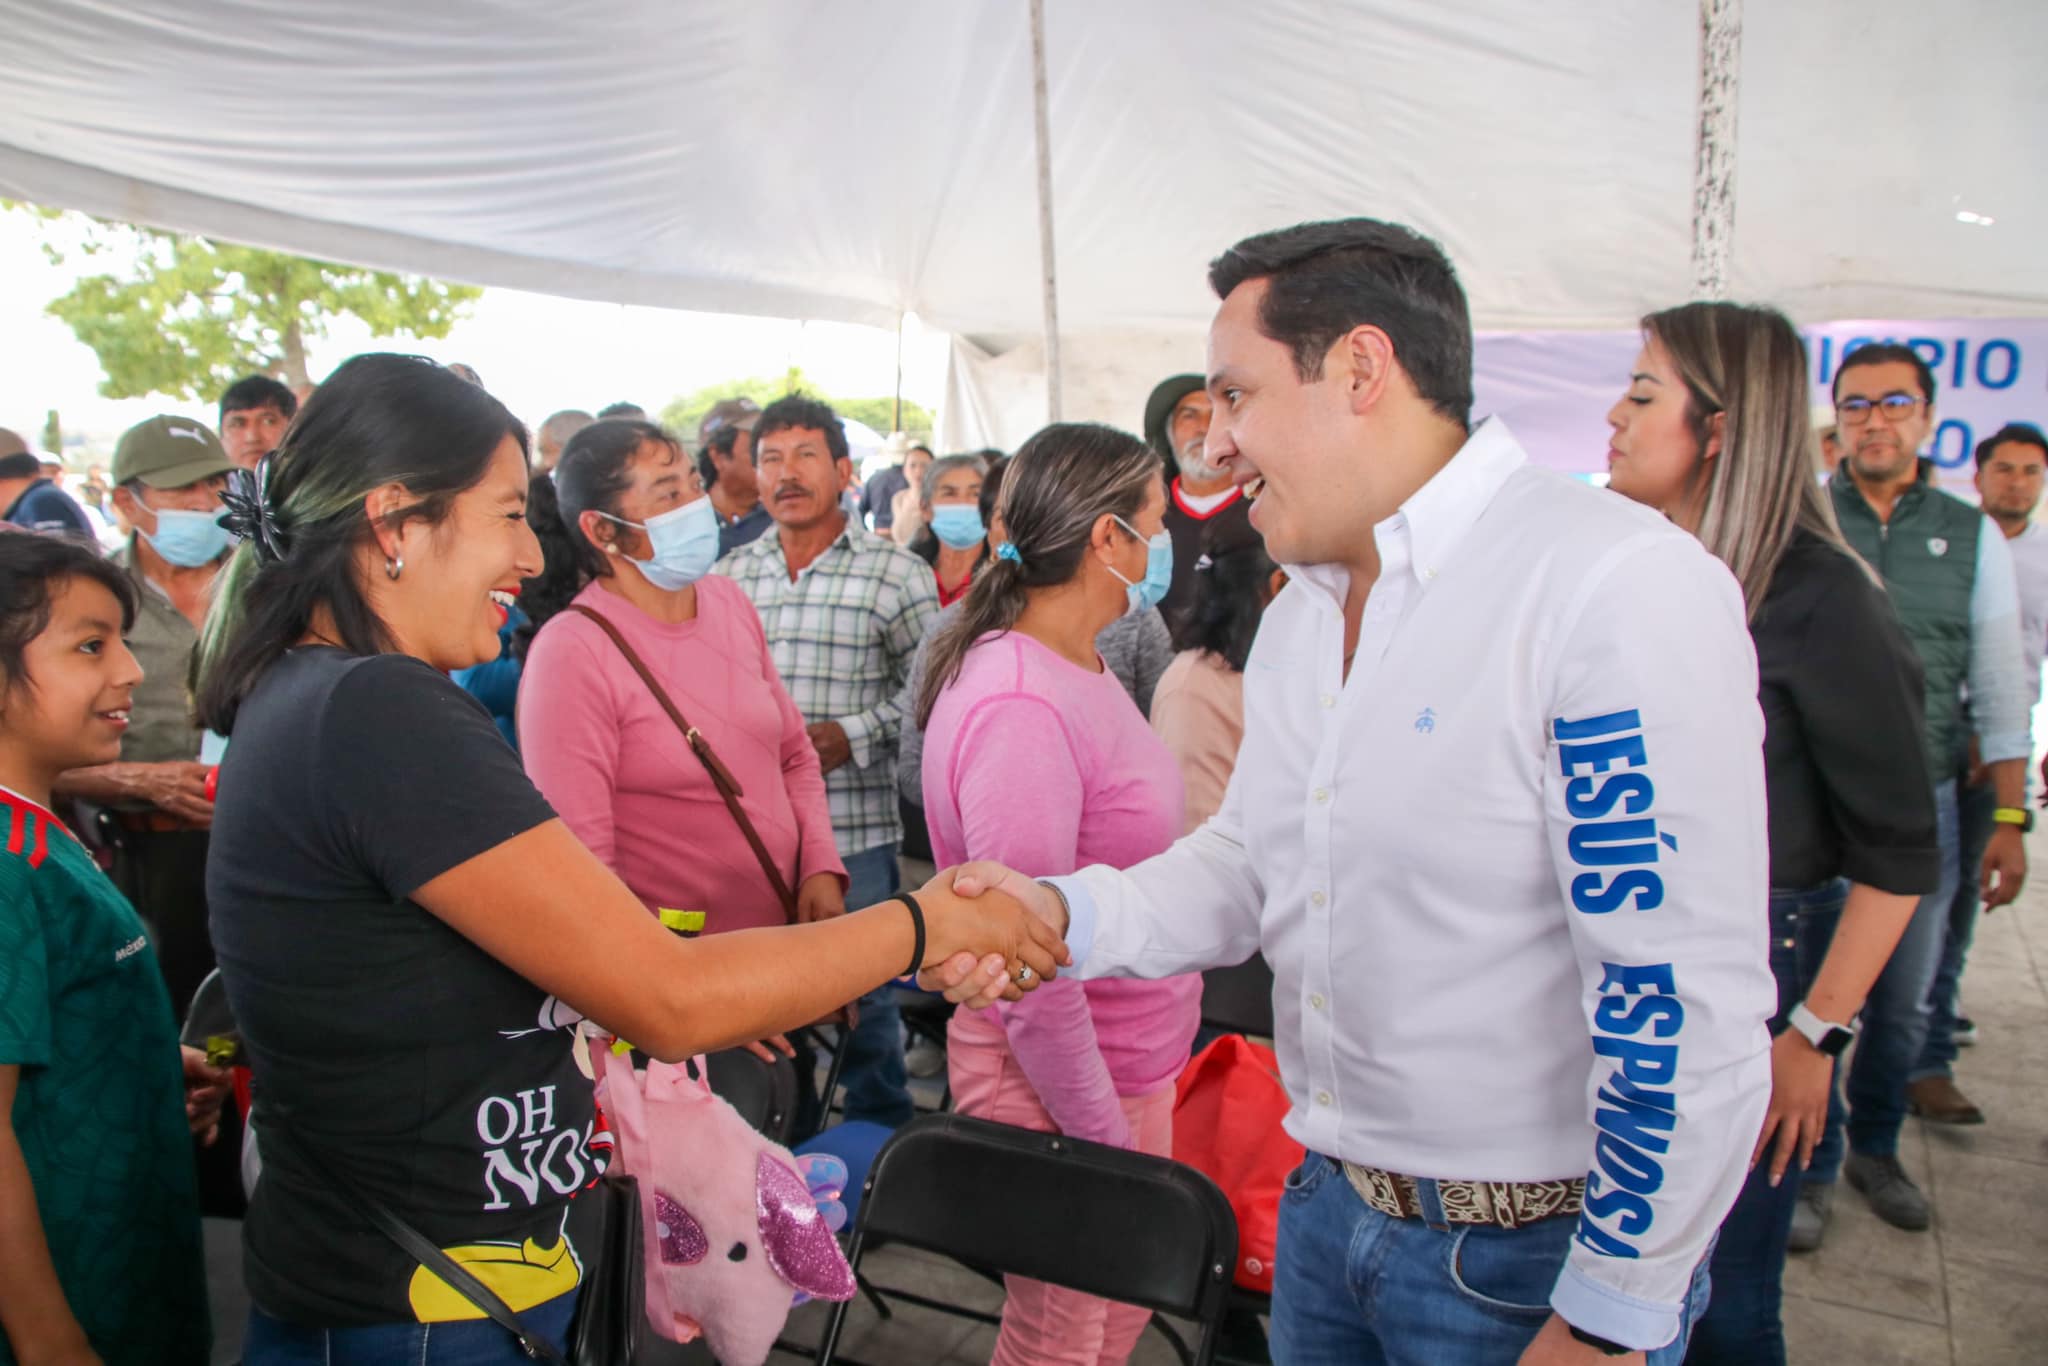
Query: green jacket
1927, 556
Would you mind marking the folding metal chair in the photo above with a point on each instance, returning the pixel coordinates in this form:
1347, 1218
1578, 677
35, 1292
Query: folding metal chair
764, 1093
1104, 1221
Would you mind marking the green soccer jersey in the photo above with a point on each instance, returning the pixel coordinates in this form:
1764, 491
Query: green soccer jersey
100, 1111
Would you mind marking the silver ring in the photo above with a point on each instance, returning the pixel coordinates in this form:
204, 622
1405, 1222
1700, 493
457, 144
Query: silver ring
1024, 975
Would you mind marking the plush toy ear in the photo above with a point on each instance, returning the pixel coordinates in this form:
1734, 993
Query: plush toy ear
799, 1246
680, 1237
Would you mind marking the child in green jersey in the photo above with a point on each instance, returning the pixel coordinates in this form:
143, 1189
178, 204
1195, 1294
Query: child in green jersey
100, 1256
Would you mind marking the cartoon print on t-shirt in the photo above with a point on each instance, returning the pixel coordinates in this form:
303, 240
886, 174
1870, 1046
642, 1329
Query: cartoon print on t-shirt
522, 1274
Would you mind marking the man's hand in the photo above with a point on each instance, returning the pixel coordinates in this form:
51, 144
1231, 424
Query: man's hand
829, 739
2005, 867
176, 788
820, 897
768, 1049
205, 1089
1555, 1346
972, 879
1800, 1075
977, 984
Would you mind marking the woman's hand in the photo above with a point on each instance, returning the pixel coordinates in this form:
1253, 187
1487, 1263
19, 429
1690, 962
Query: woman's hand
205, 1089
990, 924
820, 897
768, 1049
1800, 1076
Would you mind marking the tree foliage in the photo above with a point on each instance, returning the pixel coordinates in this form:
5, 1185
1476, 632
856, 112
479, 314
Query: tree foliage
682, 415
190, 315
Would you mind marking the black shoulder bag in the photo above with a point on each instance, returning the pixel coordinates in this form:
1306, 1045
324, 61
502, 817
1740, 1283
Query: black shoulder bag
612, 1302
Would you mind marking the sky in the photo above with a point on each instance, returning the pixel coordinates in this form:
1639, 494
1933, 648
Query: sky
537, 352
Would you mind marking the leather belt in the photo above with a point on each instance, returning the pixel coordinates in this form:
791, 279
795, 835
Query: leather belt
1501, 1204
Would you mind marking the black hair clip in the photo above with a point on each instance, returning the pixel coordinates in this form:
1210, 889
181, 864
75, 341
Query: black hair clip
249, 514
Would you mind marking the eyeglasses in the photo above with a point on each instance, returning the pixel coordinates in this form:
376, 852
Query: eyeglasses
1855, 411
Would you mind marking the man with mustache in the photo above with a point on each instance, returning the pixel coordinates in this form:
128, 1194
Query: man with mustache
844, 610
1198, 492
1950, 575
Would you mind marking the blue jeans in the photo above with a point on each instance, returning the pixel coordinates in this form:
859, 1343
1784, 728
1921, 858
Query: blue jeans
475, 1342
877, 1085
1894, 1021
1742, 1326
1974, 824
1354, 1287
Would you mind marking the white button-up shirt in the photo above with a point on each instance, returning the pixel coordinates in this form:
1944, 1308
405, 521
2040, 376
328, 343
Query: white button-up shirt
1511, 875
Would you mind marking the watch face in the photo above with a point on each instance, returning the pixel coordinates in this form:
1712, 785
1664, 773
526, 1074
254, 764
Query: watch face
1834, 1041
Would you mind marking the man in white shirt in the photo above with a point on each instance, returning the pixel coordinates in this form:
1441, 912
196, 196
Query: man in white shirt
2011, 463
1497, 825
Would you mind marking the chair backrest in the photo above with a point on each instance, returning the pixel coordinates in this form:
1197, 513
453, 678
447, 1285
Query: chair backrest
1105, 1221
1239, 1000
764, 1093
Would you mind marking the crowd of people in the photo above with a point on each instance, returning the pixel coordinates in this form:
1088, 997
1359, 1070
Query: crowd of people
1584, 829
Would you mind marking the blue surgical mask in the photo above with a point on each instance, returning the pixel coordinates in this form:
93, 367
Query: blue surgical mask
187, 539
1149, 591
685, 544
958, 525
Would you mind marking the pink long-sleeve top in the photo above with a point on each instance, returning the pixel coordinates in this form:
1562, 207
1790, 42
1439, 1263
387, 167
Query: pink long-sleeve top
1047, 767
626, 783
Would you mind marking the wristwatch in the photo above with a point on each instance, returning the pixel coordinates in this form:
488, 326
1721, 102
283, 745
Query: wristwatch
1607, 1348
2015, 815
1825, 1036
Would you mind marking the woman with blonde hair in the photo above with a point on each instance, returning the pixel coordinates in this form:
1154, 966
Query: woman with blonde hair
1713, 432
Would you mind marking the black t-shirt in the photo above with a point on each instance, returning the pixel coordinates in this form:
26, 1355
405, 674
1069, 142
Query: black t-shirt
1187, 529
438, 1078
1845, 762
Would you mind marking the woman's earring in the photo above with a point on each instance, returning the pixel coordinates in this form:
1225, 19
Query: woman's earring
393, 567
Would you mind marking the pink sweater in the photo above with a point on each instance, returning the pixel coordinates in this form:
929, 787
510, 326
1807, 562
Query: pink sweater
1048, 768
626, 783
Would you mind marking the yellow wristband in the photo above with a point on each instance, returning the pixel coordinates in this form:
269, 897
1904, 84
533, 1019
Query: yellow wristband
2011, 815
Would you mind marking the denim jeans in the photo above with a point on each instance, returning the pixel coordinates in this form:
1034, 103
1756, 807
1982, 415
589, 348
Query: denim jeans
1354, 1287
1741, 1326
475, 1342
1894, 1021
1974, 806
877, 1085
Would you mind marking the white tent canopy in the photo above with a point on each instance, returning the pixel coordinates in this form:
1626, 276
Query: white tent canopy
858, 162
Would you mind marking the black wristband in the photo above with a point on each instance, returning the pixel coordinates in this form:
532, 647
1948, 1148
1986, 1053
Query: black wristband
1606, 1346
917, 923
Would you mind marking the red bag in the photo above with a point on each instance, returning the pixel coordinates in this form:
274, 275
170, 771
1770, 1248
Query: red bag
1227, 1110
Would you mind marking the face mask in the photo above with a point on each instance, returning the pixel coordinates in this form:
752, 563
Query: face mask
187, 539
1149, 591
958, 525
685, 543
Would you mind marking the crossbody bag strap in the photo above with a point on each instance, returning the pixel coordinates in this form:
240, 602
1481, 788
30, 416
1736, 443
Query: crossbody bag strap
422, 1250
721, 777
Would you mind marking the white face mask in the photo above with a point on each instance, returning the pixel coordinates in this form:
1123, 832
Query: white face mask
684, 541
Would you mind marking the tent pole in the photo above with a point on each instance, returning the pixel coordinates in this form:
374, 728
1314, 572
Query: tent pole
1042, 129
1713, 192
896, 421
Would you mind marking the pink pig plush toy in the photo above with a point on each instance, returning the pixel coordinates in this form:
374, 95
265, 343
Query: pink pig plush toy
734, 1234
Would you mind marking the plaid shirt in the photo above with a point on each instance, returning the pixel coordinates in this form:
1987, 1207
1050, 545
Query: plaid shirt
843, 636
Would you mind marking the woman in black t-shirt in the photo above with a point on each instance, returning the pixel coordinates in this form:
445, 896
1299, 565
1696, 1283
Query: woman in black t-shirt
407, 934
1713, 431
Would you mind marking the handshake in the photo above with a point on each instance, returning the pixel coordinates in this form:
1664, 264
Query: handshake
992, 934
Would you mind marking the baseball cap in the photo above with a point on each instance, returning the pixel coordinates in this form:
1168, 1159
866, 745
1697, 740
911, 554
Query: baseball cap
168, 452
729, 412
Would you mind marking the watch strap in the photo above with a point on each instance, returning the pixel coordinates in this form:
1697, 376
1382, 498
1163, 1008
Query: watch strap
1816, 1030
1607, 1346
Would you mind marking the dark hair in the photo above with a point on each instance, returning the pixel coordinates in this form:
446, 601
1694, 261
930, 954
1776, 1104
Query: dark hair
920, 446
560, 578
379, 419
801, 412
724, 441
32, 571
594, 470
631, 411
259, 391
1884, 353
2025, 433
1058, 485
1232, 583
1324, 279
21, 465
